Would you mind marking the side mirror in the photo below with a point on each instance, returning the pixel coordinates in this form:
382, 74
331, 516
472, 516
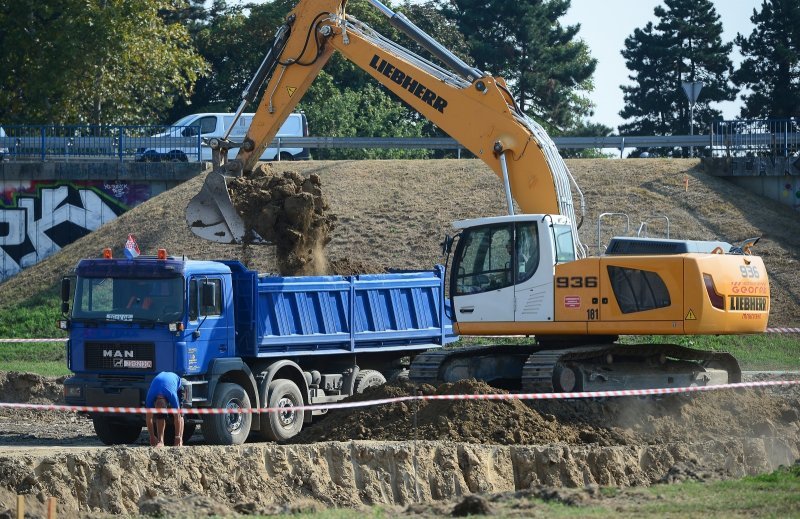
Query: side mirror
189, 132
208, 296
65, 291
447, 244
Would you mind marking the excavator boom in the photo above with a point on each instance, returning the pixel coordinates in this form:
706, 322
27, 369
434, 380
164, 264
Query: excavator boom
473, 107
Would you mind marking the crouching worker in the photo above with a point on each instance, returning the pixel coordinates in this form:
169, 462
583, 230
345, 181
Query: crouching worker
166, 391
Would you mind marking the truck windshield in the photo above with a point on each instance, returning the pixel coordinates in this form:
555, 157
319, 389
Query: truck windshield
128, 299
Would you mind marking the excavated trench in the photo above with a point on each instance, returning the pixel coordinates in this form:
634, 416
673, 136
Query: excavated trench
461, 450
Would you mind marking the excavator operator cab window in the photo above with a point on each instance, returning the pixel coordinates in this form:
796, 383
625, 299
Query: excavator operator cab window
483, 260
565, 245
527, 251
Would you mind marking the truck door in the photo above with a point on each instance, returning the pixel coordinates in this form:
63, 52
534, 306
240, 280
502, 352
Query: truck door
482, 280
209, 324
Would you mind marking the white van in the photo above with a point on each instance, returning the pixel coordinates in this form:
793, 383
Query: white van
215, 125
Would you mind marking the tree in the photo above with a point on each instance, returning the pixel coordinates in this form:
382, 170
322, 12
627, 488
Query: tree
771, 65
93, 61
342, 101
368, 112
548, 69
685, 45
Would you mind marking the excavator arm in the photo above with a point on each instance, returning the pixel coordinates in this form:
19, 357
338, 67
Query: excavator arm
471, 106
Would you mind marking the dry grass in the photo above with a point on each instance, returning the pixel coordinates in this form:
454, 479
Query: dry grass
395, 213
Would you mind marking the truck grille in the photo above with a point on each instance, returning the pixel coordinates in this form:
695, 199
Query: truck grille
120, 356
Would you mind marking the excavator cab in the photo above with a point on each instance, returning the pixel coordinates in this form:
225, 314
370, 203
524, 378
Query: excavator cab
500, 261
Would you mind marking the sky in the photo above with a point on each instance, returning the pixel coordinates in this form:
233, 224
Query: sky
606, 23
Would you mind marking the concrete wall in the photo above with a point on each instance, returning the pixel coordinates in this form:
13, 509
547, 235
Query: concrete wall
45, 206
777, 178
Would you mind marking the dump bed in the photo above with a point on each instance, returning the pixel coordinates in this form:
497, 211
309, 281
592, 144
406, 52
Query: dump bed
323, 315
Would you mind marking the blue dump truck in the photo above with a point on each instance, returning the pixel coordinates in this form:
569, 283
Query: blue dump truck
241, 339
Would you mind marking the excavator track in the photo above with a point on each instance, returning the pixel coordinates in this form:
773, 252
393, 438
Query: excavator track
539, 369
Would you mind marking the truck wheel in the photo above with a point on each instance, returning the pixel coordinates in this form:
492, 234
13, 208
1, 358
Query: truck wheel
115, 432
228, 429
368, 378
282, 425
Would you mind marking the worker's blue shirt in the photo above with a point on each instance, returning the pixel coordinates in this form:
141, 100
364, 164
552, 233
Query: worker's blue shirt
165, 384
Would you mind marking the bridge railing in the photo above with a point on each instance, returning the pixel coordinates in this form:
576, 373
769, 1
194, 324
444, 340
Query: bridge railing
60, 142
756, 137
183, 143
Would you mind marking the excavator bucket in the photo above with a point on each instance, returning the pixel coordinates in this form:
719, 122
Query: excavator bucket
211, 215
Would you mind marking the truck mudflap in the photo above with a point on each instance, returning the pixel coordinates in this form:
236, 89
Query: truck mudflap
601, 367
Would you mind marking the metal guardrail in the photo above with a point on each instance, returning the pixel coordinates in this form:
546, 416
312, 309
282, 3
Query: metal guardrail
183, 143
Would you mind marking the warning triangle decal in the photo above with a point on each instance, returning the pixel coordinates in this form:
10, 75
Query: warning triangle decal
690, 316
290, 90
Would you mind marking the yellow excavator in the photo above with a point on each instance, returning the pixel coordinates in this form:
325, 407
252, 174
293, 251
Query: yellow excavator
525, 273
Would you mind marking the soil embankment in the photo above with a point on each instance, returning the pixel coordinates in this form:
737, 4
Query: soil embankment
367, 456
394, 214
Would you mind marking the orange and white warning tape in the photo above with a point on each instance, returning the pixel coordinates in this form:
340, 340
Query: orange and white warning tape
395, 400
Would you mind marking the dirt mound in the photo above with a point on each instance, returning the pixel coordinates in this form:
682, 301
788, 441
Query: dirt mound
289, 211
31, 388
618, 421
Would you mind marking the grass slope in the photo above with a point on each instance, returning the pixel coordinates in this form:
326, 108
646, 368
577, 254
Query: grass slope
395, 213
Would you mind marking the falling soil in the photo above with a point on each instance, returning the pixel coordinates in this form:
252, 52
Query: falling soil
289, 211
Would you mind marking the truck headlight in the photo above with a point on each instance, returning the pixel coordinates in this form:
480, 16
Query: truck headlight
73, 391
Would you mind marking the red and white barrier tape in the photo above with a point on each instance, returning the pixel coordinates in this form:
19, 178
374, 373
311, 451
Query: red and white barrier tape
64, 339
382, 401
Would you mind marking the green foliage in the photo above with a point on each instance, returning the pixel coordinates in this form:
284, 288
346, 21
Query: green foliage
685, 45
586, 129
93, 61
770, 71
548, 70
367, 113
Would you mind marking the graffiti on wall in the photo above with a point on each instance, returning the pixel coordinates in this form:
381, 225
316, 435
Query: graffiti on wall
37, 218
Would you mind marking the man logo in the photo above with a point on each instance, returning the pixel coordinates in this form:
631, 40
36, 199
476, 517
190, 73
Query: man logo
118, 363
128, 354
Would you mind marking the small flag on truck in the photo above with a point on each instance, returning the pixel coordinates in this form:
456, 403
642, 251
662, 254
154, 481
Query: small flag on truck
131, 247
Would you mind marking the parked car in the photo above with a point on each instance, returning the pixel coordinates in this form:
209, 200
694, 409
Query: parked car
208, 125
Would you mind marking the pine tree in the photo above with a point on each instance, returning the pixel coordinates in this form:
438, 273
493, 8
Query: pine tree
771, 65
548, 69
685, 45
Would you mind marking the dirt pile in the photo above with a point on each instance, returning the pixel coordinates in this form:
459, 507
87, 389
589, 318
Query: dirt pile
269, 477
288, 210
31, 388
617, 421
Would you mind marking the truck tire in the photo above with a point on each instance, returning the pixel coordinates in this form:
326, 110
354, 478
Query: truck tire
281, 426
368, 378
228, 429
114, 431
